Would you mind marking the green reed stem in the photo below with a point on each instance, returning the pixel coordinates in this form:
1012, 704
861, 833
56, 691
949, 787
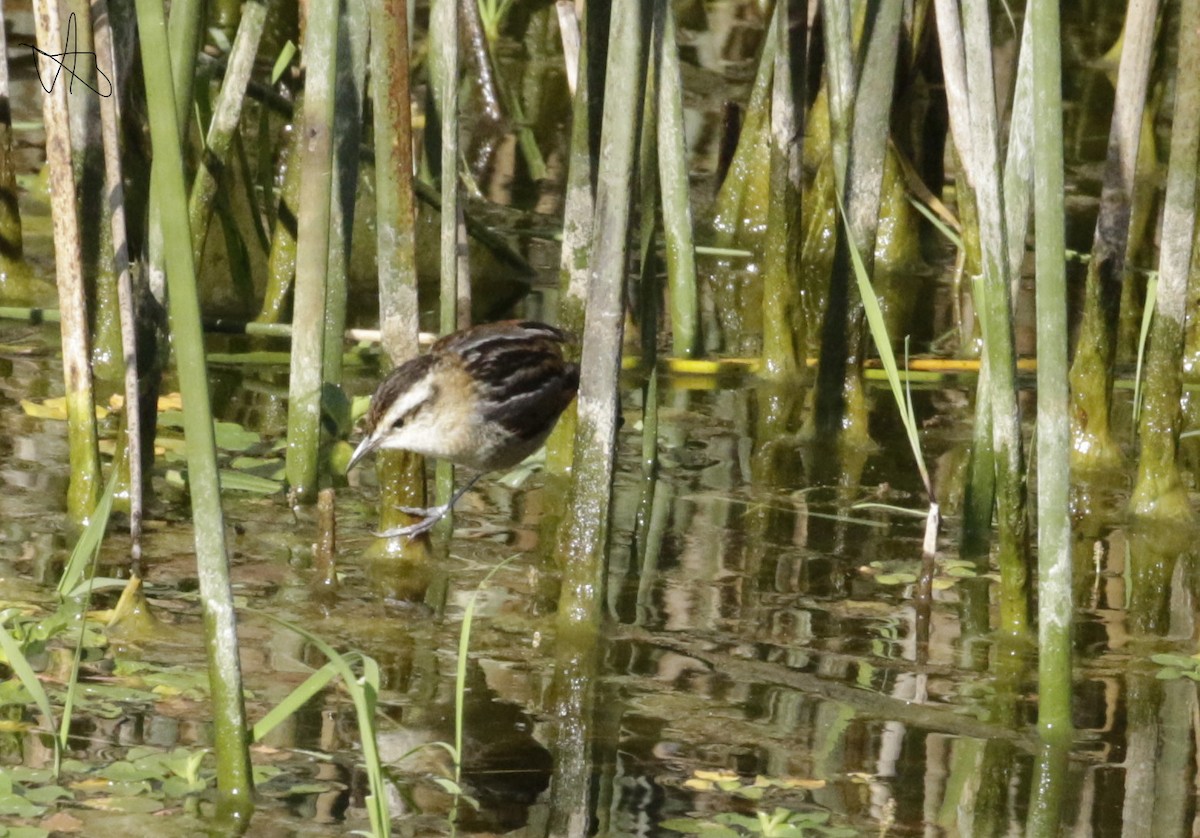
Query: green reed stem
11, 244
216, 596
1053, 423
312, 249
349, 97
675, 189
281, 264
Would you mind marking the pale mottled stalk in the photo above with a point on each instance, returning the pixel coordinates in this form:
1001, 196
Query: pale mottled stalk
1159, 491
1095, 352
839, 401
312, 250
980, 128
1053, 424
395, 211
401, 474
84, 488
583, 540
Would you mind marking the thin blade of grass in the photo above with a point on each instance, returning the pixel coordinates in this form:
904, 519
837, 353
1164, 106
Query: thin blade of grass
88, 545
941, 226
883, 344
1143, 339
294, 700
364, 691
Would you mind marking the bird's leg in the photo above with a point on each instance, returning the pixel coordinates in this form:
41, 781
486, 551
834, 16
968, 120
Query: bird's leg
430, 514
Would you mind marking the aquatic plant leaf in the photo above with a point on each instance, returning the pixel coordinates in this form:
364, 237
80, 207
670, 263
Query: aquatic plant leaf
877, 325
182, 787
124, 771
54, 409
28, 678
744, 821
19, 806
230, 436
24, 774
1181, 661
24, 832
240, 481
48, 794
128, 805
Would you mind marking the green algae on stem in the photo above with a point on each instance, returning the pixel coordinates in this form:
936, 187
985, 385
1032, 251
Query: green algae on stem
784, 334
1159, 492
1096, 348
234, 780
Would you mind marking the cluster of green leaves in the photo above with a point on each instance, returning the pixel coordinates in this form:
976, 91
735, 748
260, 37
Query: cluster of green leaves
1175, 667
780, 822
948, 572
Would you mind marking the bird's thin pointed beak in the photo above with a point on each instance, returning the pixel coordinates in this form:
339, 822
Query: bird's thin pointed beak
369, 443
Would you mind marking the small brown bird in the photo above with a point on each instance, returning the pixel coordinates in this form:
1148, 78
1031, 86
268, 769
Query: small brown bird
485, 398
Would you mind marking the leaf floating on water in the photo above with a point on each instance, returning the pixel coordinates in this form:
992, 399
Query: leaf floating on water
167, 401
239, 481
128, 805
54, 409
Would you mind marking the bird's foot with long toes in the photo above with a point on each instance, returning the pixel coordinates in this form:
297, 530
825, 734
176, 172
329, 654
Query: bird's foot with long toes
430, 516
